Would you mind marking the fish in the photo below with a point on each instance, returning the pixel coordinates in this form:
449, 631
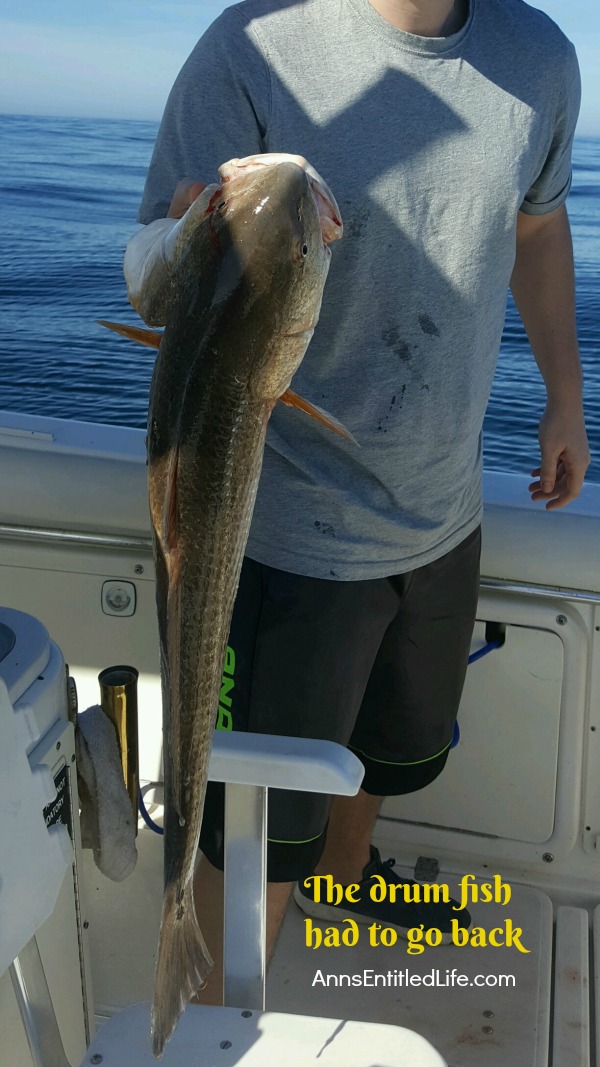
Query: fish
237, 284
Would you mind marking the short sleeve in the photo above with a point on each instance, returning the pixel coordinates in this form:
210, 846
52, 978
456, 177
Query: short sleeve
218, 109
552, 185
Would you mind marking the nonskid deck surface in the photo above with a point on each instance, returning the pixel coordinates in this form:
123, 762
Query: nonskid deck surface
527, 1016
469, 1024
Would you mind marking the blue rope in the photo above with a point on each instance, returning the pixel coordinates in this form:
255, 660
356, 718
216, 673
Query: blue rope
146, 817
491, 645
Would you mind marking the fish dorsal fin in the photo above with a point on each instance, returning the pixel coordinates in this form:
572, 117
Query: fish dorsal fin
151, 338
295, 401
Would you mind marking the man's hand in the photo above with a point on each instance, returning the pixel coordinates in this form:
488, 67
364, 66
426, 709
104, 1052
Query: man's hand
565, 458
183, 198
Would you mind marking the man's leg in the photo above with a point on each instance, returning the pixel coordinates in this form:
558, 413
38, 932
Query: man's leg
406, 720
403, 732
208, 898
414, 690
349, 833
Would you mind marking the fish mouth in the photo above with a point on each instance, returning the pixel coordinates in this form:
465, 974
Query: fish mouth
331, 224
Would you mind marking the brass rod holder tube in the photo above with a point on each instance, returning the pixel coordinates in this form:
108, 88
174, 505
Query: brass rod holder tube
118, 698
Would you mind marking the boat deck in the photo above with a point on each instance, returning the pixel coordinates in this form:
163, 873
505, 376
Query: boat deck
528, 1002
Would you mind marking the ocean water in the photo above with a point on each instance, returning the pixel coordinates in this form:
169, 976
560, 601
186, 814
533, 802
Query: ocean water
69, 192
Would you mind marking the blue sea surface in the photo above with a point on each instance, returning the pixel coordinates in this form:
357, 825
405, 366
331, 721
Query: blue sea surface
69, 194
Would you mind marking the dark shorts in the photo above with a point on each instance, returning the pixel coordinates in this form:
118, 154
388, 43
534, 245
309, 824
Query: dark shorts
377, 665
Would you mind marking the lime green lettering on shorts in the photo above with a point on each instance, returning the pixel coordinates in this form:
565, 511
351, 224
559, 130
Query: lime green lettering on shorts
227, 684
224, 716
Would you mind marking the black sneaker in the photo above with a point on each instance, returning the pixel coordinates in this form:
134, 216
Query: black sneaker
400, 915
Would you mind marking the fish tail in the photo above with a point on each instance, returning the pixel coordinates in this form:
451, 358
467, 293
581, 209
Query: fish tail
183, 964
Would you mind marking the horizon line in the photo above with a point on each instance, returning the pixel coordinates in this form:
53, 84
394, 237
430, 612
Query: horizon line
586, 132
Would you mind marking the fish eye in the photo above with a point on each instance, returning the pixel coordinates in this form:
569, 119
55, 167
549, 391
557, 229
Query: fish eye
304, 250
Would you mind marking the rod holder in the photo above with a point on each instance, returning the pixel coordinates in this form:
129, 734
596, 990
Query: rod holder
118, 698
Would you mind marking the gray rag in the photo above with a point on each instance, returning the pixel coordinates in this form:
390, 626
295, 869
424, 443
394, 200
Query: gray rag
106, 818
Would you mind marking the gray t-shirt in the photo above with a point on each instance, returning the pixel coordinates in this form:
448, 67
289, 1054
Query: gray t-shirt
431, 146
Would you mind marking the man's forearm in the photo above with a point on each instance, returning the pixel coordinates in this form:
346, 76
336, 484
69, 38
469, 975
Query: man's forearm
543, 287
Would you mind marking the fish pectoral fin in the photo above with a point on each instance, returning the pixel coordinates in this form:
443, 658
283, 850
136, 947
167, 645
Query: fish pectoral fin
151, 338
295, 401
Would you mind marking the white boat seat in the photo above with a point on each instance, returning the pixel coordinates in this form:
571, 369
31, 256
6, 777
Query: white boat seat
252, 1037
229, 1037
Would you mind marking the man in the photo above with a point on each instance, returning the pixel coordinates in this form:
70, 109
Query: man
444, 128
